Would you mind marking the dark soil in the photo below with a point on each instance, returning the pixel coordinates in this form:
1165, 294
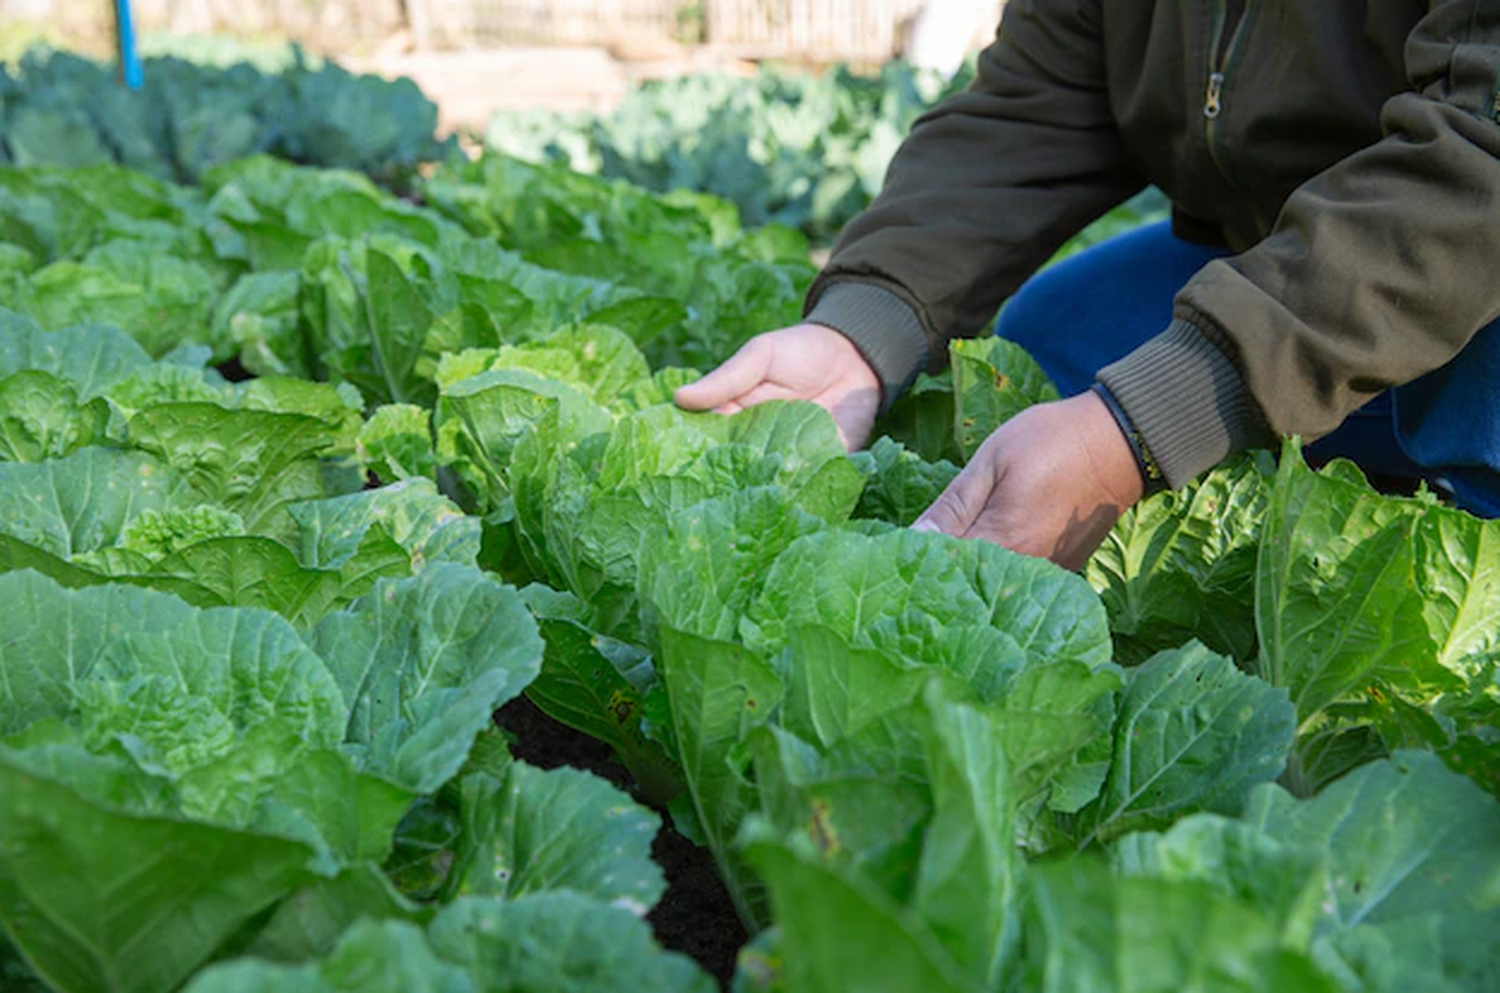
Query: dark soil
696, 916
234, 371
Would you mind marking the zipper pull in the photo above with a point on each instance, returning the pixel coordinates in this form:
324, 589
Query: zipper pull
1211, 102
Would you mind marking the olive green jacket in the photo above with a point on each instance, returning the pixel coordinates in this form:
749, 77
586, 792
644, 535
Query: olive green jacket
1349, 150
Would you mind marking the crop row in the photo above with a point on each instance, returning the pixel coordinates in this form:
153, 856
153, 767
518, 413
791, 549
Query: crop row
59, 109
805, 151
301, 481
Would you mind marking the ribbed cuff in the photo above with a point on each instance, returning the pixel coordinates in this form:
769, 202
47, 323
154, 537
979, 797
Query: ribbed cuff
1188, 401
882, 326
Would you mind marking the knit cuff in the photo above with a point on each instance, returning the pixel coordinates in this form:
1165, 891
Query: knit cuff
1187, 400
882, 326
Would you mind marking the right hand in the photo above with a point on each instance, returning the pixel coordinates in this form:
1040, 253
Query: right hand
802, 362
1050, 482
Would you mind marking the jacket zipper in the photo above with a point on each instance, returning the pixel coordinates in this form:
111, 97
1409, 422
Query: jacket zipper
1226, 36
1230, 17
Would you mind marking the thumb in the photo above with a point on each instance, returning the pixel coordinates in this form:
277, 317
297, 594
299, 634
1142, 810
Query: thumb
744, 371
956, 508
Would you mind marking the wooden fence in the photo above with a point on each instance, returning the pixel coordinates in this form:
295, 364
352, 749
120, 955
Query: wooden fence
842, 29
821, 30
352, 23
464, 23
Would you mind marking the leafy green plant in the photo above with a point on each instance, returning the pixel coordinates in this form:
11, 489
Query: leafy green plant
791, 148
249, 663
732, 282
208, 763
62, 110
808, 151
549, 942
1259, 561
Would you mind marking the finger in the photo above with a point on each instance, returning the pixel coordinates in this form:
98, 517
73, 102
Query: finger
760, 394
767, 390
757, 395
957, 507
745, 370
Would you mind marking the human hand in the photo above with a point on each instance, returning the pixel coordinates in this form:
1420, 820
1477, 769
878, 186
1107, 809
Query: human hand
1050, 482
802, 362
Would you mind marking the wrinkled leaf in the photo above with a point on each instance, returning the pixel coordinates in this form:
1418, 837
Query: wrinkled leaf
993, 380
423, 664
1193, 733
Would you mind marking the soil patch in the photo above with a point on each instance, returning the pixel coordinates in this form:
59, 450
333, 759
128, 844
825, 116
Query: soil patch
696, 916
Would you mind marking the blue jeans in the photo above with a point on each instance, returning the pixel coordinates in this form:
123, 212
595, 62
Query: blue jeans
1087, 311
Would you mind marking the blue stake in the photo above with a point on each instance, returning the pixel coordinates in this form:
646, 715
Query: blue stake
131, 73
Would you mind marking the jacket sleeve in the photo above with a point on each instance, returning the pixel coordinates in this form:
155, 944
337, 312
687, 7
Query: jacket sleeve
1378, 270
982, 192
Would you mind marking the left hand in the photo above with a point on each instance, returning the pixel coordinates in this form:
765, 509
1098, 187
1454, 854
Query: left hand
802, 362
1049, 482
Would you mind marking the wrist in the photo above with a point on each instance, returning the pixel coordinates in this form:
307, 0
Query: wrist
881, 326
848, 361
1184, 393
1152, 478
